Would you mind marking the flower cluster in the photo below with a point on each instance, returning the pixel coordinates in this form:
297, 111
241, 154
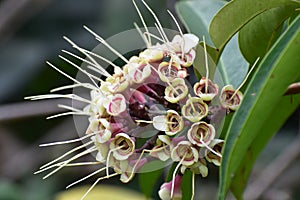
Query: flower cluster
148, 110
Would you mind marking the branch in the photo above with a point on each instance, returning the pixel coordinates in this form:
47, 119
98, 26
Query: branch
31, 109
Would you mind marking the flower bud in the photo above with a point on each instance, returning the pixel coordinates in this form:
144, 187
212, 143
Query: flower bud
123, 146
176, 91
185, 153
166, 189
200, 89
115, 105
168, 71
194, 109
217, 146
172, 123
227, 100
201, 134
162, 148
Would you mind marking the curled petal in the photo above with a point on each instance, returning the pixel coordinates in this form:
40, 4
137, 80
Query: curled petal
176, 91
102, 150
115, 105
171, 123
162, 148
194, 109
101, 127
227, 99
190, 42
116, 83
140, 73
185, 43
96, 107
185, 152
165, 189
197, 168
123, 146
168, 71
200, 89
201, 134
217, 146
186, 59
151, 55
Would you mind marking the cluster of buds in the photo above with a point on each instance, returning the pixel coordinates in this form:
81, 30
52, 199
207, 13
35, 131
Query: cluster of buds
148, 110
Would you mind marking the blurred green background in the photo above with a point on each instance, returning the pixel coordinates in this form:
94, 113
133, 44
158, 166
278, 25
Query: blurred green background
30, 33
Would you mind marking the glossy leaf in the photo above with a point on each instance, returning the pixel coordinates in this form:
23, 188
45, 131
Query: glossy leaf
286, 106
257, 37
276, 71
234, 15
148, 180
199, 63
196, 16
186, 185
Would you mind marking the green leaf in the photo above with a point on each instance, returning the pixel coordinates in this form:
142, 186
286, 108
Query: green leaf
277, 70
286, 106
148, 180
196, 16
186, 185
257, 37
199, 62
234, 15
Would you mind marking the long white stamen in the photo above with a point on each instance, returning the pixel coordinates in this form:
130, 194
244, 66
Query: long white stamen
106, 44
167, 81
193, 186
135, 165
192, 105
180, 31
174, 174
62, 163
206, 65
86, 177
143, 22
66, 154
143, 35
54, 96
68, 141
96, 182
68, 113
67, 165
91, 76
244, 81
108, 158
65, 87
160, 33
69, 108
157, 21
209, 148
82, 164
63, 73
100, 57
88, 151
156, 37
105, 73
